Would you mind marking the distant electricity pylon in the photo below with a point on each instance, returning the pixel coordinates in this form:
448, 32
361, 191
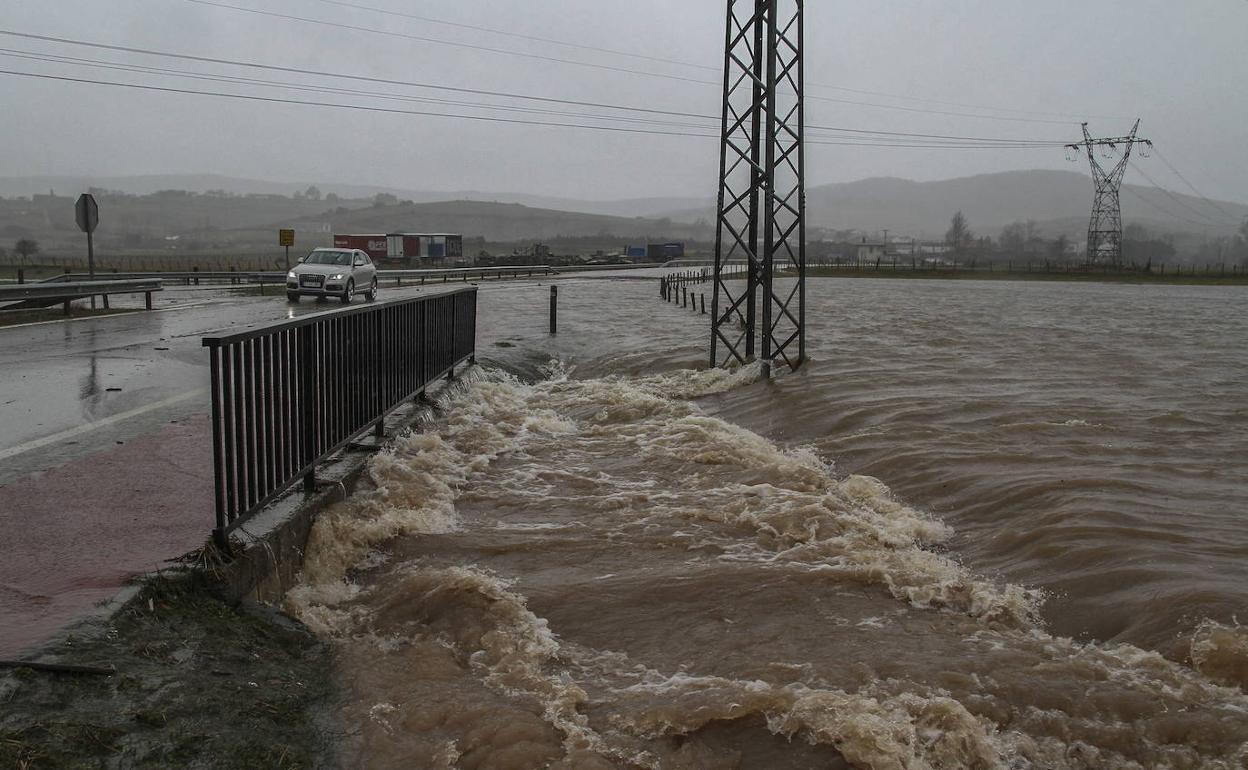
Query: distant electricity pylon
761, 216
1105, 228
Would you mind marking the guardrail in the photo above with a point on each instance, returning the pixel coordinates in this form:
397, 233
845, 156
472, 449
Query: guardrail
188, 277
438, 275
43, 294
286, 396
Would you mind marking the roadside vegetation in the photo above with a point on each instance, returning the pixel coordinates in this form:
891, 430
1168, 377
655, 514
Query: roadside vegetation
198, 684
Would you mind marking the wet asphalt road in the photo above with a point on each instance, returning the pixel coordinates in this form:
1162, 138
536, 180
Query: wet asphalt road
73, 388
105, 453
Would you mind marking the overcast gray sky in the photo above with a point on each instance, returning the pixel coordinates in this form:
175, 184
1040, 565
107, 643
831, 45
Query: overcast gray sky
1177, 65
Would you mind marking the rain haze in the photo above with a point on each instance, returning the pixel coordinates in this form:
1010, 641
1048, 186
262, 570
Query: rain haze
568, 385
1016, 70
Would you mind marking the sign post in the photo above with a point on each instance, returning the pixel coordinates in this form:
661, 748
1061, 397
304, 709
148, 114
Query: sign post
286, 238
87, 212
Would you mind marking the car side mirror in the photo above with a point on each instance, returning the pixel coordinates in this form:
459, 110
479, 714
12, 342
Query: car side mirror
300, 259
359, 263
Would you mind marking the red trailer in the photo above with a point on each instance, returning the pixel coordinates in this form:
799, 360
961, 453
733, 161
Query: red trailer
373, 245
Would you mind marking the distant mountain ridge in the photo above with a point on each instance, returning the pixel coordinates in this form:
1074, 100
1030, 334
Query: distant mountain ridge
1059, 200
148, 184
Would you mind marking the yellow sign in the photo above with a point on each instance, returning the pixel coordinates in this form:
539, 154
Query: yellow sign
286, 237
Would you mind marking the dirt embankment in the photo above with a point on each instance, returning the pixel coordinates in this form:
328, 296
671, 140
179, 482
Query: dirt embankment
198, 683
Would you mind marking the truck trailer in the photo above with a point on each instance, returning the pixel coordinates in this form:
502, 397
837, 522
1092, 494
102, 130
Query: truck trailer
407, 250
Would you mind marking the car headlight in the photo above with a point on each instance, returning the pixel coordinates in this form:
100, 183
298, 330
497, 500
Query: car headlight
291, 275
336, 277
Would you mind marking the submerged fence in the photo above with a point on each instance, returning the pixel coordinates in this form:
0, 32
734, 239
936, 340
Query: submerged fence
287, 395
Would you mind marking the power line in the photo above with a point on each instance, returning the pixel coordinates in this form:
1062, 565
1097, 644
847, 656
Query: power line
682, 63
319, 73
473, 91
518, 35
451, 43
1178, 200
606, 67
1191, 186
366, 108
98, 64
1164, 210
461, 116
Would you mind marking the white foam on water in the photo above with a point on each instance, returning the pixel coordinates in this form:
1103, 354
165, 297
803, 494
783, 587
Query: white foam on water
1221, 653
720, 487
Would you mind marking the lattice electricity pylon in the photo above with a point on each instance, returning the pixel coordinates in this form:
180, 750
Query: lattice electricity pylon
1105, 228
761, 217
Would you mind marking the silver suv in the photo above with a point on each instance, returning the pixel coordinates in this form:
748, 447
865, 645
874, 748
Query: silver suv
340, 273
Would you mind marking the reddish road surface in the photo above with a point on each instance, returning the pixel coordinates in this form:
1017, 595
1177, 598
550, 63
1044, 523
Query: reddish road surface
105, 460
74, 534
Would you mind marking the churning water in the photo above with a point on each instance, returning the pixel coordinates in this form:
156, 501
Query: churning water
992, 525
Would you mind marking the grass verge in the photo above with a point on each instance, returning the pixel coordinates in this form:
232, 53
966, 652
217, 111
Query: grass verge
198, 684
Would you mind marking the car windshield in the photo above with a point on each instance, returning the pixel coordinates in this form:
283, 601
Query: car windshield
328, 258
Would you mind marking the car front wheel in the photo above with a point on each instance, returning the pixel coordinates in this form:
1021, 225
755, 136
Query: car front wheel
346, 295
292, 296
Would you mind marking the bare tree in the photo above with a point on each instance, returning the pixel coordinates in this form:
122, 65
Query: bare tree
1239, 245
959, 236
1014, 239
26, 248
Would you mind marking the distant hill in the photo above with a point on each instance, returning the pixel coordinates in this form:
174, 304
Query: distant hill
146, 185
510, 222
1059, 200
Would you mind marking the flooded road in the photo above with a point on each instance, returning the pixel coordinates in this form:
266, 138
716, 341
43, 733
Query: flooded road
990, 526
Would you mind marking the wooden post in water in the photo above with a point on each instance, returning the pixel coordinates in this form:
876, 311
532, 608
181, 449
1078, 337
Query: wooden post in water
554, 309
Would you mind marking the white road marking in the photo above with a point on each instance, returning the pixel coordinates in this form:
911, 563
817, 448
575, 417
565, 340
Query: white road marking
129, 312
56, 438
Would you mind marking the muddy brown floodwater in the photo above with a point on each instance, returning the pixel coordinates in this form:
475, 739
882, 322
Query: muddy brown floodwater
991, 525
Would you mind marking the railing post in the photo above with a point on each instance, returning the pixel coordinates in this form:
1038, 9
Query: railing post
219, 535
308, 377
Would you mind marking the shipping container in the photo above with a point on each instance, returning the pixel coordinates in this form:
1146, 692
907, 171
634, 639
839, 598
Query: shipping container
664, 251
408, 250
373, 245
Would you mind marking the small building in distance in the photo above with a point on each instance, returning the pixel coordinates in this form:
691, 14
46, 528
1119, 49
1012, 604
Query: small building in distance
870, 251
408, 250
662, 252
654, 252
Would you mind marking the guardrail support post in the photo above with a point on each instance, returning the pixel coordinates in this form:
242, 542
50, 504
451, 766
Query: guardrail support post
147, 299
105, 301
66, 307
307, 394
554, 309
21, 275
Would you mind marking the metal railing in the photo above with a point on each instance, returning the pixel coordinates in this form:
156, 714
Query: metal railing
286, 396
43, 294
432, 275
